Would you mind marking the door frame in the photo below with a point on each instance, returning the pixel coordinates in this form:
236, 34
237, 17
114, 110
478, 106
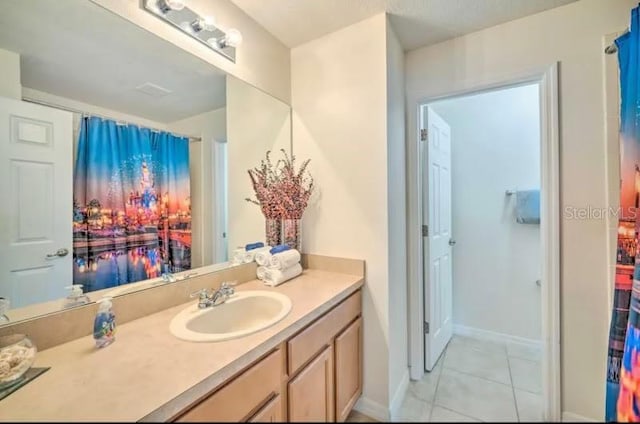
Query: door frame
547, 78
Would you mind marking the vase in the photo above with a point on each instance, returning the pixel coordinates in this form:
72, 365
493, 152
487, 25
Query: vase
292, 233
273, 231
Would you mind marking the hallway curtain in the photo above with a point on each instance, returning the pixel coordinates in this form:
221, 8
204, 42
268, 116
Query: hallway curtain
132, 206
623, 367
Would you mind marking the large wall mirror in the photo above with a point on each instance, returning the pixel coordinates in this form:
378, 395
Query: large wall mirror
123, 158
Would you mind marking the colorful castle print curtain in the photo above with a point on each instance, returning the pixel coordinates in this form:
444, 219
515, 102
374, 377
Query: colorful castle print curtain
623, 373
132, 206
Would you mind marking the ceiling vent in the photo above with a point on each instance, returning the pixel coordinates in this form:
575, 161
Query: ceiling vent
153, 90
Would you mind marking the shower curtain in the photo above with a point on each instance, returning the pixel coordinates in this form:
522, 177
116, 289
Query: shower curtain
132, 208
623, 368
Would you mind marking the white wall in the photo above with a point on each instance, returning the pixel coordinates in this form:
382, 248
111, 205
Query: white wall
339, 89
10, 71
495, 143
256, 123
571, 34
261, 59
397, 228
210, 127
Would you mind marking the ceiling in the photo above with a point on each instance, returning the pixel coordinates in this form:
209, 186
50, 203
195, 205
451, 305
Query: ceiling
416, 22
76, 49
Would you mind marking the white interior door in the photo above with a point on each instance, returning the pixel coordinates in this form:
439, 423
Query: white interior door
36, 149
437, 241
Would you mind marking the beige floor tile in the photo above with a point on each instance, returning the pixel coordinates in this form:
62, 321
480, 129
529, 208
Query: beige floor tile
359, 417
413, 410
523, 351
481, 345
475, 397
425, 389
444, 415
466, 359
529, 406
526, 375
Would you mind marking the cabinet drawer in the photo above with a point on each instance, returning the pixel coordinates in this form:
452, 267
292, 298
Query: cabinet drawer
243, 395
311, 340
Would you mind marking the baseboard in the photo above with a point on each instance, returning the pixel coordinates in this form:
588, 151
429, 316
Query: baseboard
570, 417
493, 336
398, 396
373, 409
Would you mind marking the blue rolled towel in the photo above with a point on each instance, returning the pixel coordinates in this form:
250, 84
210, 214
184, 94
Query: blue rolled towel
252, 246
279, 248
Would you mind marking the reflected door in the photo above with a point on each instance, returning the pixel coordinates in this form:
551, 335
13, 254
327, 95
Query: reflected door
36, 148
437, 241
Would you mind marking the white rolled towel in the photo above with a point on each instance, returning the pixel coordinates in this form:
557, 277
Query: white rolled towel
275, 277
264, 256
250, 255
261, 272
237, 256
284, 260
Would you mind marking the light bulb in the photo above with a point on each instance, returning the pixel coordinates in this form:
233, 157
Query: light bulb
208, 23
175, 4
233, 38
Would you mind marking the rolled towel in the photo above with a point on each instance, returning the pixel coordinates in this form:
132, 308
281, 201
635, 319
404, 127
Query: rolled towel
275, 277
250, 255
263, 256
252, 246
279, 248
237, 257
284, 259
261, 272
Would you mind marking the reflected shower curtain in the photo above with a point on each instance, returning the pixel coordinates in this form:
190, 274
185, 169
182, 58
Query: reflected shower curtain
132, 206
623, 368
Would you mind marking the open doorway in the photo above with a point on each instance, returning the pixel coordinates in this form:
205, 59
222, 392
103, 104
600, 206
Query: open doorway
486, 285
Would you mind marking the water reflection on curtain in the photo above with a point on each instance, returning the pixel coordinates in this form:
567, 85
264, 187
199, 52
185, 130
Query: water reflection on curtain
132, 209
623, 368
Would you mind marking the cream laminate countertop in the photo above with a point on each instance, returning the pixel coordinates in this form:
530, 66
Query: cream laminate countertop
150, 375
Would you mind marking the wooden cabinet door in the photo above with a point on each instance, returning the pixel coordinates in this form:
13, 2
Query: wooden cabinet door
311, 392
348, 347
270, 413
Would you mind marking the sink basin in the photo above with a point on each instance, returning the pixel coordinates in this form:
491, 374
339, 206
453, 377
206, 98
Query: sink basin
243, 313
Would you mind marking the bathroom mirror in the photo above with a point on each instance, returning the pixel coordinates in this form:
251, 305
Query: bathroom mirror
124, 157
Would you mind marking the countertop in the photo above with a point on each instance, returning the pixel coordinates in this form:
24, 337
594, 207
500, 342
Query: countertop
150, 375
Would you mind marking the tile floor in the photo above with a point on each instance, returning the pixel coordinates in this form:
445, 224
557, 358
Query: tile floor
477, 381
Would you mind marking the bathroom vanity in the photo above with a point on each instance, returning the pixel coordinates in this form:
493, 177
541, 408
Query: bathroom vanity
306, 367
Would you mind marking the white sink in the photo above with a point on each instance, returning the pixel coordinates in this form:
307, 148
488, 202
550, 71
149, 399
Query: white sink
243, 313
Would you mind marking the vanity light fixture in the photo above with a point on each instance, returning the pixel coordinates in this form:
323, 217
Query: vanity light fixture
202, 28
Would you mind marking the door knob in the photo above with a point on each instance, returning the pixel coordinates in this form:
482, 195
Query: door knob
59, 253
452, 242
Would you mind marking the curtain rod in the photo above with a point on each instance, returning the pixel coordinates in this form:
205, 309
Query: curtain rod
70, 109
612, 48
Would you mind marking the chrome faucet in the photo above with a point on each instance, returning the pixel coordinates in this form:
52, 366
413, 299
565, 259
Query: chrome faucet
169, 277
208, 298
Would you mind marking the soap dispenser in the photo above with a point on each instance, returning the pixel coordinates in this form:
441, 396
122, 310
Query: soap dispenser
76, 297
104, 325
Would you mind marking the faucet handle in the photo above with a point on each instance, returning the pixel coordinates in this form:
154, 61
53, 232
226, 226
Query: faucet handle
227, 287
200, 293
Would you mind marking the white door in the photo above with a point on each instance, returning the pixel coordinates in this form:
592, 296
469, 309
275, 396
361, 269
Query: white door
437, 241
36, 149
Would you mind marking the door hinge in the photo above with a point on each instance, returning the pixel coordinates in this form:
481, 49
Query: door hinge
425, 231
426, 327
423, 135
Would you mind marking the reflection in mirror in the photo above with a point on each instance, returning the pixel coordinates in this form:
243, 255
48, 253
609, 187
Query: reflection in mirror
125, 158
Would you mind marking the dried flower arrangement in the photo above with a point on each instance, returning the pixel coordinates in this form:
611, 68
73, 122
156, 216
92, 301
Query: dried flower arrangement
282, 192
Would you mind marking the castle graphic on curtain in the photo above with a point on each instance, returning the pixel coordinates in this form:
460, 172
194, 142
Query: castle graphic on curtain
623, 367
132, 206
